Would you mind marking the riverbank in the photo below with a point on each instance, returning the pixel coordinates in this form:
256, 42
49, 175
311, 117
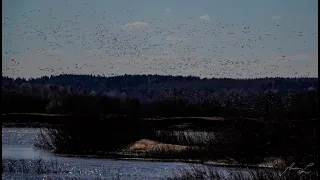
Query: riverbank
265, 165
137, 152
122, 163
57, 169
241, 142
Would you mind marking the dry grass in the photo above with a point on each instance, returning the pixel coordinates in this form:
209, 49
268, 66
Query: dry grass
146, 145
245, 142
274, 162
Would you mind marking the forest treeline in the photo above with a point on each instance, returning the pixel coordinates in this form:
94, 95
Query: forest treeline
150, 95
157, 85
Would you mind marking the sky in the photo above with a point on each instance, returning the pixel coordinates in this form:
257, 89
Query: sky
204, 38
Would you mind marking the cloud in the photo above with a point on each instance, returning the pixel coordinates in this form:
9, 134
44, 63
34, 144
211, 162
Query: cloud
92, 51
135, 25
276, 17
168, 10
172, 38
205, 17
51, 51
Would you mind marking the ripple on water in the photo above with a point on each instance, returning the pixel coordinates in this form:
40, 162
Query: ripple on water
18, 145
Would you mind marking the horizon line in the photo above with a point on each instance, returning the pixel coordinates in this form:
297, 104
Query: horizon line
185, 76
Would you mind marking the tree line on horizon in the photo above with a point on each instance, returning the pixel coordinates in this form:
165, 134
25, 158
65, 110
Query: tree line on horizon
100, 83
84, 94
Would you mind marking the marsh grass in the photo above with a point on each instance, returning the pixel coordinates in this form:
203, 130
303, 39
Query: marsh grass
242, 141
185, 138
51, 169
37, 166
192, 153
92, 137
245, 142
211, 173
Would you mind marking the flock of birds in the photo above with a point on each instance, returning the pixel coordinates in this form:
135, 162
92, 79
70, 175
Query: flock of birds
184, 47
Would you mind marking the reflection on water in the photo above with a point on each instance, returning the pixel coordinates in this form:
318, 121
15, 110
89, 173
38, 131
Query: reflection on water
17, 143
23, 153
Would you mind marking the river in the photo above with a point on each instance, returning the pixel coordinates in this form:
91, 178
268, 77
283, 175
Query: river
17, 145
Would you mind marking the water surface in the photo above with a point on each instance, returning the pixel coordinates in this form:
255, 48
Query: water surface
17, 145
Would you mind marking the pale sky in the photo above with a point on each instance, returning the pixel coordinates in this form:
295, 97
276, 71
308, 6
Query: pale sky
206, 38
